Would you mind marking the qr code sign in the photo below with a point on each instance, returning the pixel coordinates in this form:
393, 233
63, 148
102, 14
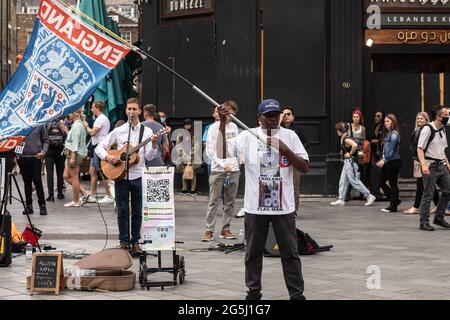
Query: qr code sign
158, 190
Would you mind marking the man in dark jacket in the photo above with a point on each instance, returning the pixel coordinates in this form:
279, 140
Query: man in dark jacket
30, 155
287, 121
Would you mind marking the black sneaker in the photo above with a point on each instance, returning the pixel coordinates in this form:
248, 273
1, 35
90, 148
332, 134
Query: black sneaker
253, 295
299, 297
42, 210
184, 192
193, 193
442, 223
50, 198
28, 210
60, 196
426, 227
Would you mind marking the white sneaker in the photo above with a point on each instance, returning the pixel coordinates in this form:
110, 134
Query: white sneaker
370, 200
338, 203
240, 214
91, 199
106, 199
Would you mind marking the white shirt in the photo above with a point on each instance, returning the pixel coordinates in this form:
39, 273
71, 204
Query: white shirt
120, 136
101, 122
436, 149
269, 188
217, 165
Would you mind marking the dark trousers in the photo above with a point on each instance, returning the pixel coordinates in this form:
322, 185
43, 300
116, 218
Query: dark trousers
419, 193
122, 189
375, 183
390, 173
30, 168
256, 229
440, 176
53, 159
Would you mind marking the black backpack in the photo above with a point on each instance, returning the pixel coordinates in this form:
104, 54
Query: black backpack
306, 244
55, 135
414, 141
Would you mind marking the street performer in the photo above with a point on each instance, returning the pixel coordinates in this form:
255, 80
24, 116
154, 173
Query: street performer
123, 187
269, 193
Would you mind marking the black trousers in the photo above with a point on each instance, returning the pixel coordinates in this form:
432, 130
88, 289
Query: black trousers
419, 193
390, 173
375, 186
30, 168
256, 229
53, 159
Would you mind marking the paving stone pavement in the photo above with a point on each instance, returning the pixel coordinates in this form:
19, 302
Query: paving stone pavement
411, 264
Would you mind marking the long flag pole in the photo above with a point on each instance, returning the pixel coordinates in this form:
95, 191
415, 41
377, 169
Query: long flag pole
146, 55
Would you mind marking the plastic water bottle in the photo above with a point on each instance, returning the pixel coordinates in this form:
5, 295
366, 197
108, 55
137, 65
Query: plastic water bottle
241, 236
29, 252
227, 181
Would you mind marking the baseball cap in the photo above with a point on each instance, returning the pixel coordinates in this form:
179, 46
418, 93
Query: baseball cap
269, 105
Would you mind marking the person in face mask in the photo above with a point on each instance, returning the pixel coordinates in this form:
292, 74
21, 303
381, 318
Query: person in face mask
435, 168
162, 118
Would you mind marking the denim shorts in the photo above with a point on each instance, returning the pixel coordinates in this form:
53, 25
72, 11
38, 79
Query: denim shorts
95, 162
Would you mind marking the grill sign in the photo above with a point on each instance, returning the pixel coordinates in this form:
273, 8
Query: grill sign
180, 8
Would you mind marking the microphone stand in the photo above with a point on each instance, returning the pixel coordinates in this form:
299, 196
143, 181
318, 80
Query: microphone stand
127, 159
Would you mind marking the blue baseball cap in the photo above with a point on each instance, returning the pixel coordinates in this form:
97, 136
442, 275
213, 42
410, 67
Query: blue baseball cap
269, 105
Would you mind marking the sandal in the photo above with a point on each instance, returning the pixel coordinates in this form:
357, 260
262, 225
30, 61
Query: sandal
411, 211
73, 204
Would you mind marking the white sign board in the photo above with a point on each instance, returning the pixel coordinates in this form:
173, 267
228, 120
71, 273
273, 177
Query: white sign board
158, 209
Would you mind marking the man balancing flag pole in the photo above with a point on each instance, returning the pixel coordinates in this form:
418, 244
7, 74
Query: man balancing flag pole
63, 64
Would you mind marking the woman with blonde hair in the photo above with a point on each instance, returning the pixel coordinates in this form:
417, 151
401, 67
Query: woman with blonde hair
75, 149
391, 163
422, 119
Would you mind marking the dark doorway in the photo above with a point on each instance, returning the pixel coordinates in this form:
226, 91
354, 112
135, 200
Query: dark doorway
405, 85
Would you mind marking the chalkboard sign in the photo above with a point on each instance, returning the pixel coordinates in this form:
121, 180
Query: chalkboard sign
46, 272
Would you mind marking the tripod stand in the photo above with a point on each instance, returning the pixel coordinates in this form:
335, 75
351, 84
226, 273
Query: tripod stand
7, 195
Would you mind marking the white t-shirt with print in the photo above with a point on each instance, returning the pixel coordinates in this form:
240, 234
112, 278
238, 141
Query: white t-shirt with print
101, 122
217, 165
269, 188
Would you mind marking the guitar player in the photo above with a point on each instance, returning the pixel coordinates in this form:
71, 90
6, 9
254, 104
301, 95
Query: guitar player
132, 186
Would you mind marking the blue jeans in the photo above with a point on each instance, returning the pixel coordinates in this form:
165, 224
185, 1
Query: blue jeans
349, 176
121, 190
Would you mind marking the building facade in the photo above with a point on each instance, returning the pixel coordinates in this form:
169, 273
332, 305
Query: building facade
324, 58
8, 40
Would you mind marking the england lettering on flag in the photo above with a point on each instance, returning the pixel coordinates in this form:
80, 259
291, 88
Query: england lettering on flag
65, 61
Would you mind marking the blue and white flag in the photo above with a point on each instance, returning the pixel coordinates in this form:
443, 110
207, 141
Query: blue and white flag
65, 61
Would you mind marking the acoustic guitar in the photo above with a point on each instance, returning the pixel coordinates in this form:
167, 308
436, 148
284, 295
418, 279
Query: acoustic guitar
118, 171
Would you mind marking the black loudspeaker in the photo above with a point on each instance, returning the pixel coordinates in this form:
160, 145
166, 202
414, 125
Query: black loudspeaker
271, 247
5, 239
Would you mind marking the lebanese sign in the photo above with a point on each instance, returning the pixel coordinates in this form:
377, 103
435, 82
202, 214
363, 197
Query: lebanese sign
158, 206
183, 8
415, 20
409, 5
409, 36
